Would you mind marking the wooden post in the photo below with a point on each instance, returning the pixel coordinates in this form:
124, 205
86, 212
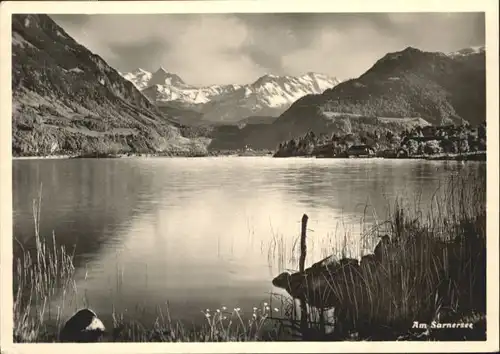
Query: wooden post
302, 260
303, 245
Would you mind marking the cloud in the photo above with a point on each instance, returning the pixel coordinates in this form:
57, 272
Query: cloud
335, 56
207, 49
139, 53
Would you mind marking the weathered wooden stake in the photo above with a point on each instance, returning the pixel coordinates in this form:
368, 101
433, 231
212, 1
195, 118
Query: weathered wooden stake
302, 260
303, 245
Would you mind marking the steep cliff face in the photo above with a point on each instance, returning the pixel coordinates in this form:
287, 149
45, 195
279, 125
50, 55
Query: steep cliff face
67, 100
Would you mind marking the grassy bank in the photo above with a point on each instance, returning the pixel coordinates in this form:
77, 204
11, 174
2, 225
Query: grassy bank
434, 270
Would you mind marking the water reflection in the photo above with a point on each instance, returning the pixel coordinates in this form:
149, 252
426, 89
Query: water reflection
206, 232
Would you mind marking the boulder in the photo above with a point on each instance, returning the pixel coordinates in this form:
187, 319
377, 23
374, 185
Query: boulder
324, 284
84, 327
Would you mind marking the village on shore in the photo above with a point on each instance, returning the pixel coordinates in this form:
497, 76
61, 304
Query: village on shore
447, 142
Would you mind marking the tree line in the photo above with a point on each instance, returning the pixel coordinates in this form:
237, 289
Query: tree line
428, 140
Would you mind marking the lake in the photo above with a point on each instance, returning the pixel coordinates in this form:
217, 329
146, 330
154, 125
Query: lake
202, 233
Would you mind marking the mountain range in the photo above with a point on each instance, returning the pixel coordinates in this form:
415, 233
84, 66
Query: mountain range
68, 100
269, 95
401, 90
441, 89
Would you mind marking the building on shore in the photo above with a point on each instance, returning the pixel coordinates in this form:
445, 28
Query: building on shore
360, 151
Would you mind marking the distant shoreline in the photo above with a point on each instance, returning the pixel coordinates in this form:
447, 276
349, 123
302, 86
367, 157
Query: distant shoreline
468, 157
235, 153
471, 156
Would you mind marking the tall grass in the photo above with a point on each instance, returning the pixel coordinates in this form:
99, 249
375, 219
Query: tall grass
221, 325
39, 274
43, 273
434, 269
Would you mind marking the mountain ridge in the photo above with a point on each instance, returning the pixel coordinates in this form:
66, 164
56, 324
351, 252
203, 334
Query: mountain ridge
397, 72
268, 95
68, 100
402, 89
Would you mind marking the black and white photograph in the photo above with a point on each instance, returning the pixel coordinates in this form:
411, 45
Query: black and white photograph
268, 173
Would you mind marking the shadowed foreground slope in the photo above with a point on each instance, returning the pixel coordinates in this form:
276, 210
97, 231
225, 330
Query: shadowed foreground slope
67, 100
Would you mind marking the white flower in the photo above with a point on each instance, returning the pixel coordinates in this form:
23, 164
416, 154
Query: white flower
224, 308
224, 318
254, 315
207, 315
208, 310
267, 307
218, 311
265, 304
276, 309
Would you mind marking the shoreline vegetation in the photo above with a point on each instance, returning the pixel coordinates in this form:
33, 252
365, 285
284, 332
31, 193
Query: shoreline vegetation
470, 156
449, 142
97, 155
433, 271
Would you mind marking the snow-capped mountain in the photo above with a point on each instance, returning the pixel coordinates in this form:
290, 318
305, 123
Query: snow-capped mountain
162, 87
189, 95
467, 51
139, 78
268, 95
278, 91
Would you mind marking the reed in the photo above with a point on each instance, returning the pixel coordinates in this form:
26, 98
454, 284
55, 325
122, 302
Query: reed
38, 276
221, 325
434, 270
45, 271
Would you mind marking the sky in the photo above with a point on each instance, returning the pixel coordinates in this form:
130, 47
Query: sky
206, 49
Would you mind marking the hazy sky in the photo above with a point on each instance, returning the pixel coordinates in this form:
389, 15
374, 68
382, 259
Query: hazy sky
207, 49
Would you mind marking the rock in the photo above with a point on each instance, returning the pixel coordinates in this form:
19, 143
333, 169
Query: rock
368, 263
84, 326
349, 262
326, 262
322, 286
382, 248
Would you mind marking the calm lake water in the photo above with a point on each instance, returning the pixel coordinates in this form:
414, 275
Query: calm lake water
207, 232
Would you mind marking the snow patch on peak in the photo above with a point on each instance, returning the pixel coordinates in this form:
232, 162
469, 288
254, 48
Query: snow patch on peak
467, 51
161, 70
140, 70
311, 74
163, 77
223, 101
139, 78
